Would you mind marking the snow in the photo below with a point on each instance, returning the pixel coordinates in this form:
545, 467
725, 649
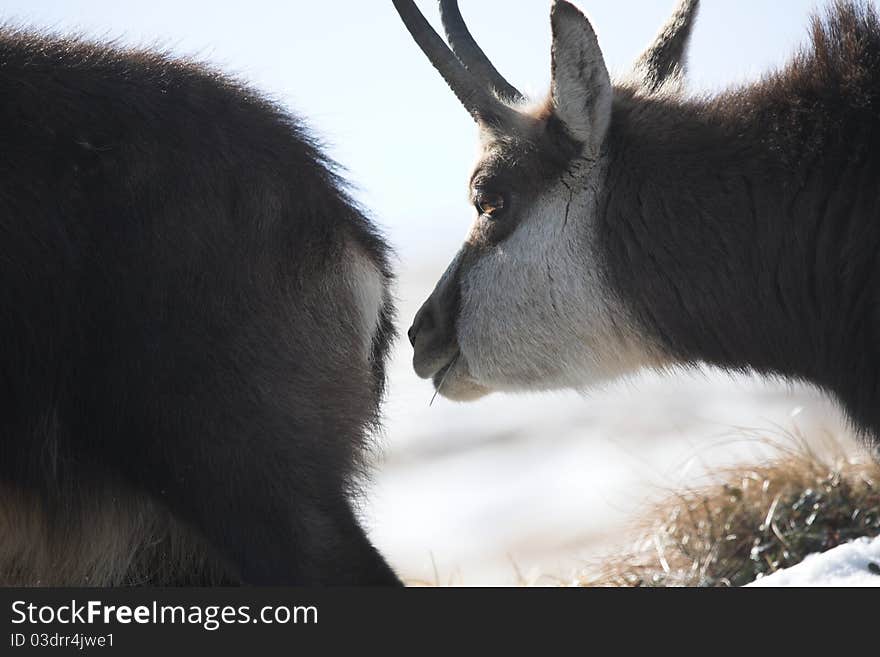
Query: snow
848, 565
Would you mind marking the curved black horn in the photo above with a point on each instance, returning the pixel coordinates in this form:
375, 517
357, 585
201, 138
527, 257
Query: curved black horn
471, 55
664, 60
476, 98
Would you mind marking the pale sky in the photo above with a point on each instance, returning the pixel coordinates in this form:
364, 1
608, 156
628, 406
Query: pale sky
350, 68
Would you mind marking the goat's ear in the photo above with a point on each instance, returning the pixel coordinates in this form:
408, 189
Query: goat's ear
662, 65
581, 87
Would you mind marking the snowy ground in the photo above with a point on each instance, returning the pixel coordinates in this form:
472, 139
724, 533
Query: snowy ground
533, 488
856, 564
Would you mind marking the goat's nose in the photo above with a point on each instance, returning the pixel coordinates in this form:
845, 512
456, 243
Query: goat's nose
424, 321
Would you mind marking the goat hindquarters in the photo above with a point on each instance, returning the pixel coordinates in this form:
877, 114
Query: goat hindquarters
195, 322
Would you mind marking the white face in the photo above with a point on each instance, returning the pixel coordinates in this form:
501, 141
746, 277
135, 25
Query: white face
525, 306
533, 313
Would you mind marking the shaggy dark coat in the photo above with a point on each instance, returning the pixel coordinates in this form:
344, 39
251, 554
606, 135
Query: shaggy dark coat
744, 230
180, 354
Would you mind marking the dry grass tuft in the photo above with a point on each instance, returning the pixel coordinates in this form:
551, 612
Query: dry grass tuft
755, 521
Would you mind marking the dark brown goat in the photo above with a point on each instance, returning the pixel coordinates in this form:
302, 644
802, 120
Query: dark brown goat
195, 320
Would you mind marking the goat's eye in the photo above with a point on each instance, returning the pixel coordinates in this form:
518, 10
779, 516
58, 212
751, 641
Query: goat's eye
489, 205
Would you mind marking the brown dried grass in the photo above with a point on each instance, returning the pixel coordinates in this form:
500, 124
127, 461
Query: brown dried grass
753, 522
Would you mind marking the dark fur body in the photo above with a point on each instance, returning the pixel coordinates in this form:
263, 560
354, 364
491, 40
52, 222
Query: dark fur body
744, 230
181, 348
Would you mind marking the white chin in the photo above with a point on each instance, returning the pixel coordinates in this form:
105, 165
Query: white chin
456, 385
